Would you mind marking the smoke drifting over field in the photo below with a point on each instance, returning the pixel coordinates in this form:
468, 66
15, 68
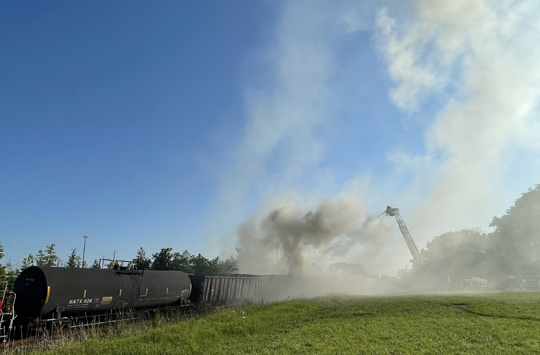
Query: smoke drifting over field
465, 76
290, 239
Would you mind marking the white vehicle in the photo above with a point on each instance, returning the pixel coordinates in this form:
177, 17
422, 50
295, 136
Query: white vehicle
474, 282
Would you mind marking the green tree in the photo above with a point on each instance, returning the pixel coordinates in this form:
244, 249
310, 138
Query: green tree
141, 262
28, 261
163, 259
456, 255
95, 264
228, 266
181, 262
48, 257
516, 240
166, 259
73, 260
202, 265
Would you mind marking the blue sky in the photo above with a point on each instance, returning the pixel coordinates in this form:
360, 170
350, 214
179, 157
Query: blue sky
170, 124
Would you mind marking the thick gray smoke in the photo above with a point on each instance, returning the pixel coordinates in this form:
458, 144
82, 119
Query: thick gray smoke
288, 238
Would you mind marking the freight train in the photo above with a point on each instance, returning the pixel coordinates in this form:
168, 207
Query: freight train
50, 295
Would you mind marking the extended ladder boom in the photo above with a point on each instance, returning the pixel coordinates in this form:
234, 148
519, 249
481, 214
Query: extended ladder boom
394, 212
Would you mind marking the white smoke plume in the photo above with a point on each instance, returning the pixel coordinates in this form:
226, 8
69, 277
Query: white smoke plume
296, 238
466, 76
481, 59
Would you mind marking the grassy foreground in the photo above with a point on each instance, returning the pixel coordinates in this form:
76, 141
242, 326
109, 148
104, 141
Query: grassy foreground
466, 323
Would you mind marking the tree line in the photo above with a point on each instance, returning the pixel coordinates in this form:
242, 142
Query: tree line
513, 248
165, 259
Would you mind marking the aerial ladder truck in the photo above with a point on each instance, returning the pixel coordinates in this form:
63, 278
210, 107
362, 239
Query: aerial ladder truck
394, 212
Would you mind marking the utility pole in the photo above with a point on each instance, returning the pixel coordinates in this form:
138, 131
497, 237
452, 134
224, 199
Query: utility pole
84, 250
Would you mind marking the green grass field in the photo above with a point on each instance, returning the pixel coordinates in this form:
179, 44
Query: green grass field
453, 323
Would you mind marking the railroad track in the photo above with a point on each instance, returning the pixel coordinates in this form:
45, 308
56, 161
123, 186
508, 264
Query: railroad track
48, 332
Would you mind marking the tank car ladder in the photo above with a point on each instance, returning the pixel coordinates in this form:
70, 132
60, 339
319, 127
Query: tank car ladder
6, 317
